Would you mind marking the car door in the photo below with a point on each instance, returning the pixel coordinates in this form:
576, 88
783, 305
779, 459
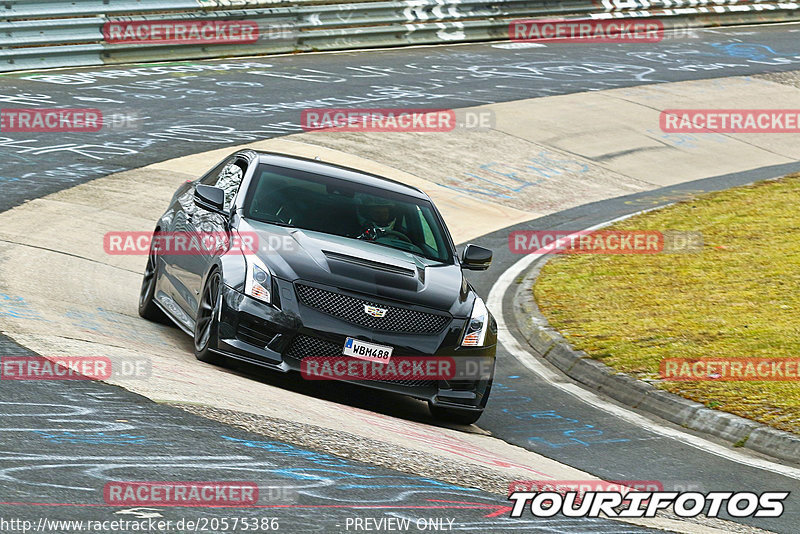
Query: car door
204, 228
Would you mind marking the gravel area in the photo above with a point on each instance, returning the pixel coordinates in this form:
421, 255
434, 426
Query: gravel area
791, 77
346, 445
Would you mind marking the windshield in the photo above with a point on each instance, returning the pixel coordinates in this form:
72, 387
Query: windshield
320, 203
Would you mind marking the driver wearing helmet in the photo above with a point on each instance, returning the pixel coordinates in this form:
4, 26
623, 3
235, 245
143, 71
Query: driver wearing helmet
376, 216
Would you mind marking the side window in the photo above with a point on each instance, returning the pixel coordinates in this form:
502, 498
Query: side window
228, 177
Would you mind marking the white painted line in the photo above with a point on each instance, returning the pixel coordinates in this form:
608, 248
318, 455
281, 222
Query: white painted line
556, 379
515, 46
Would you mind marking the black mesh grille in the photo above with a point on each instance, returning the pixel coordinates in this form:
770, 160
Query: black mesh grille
253, 334
351, 309
303, 346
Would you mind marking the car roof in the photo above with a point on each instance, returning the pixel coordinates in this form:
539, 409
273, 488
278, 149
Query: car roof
337, 171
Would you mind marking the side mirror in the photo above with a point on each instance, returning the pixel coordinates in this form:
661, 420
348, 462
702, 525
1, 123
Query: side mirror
210, 198
476, 258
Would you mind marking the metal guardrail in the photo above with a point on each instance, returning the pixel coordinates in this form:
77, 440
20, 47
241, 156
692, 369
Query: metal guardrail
56, 33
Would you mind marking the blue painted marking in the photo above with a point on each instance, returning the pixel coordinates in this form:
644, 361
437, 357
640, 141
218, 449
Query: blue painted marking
334, 468
752, 51
566, 431
17, 307
318, 458
504, 180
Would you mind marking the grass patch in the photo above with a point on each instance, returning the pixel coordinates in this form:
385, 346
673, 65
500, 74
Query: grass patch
739, 297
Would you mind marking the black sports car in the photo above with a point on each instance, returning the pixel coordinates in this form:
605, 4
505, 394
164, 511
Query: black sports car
341, 263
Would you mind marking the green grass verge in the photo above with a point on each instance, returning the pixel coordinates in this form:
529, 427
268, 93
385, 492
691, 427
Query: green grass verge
739, 297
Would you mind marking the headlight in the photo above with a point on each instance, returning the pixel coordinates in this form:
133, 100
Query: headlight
475, 336
259, 279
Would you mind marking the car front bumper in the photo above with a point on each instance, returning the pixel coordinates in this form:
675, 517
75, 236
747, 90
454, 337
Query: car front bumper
269, 336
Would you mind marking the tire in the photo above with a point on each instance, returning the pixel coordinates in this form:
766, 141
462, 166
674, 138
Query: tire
147, 306
206, 320
454, 415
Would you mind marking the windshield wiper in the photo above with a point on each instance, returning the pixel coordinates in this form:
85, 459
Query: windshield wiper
276, 223
406, 250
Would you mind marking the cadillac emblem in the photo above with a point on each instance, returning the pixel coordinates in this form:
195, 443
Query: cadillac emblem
374, 311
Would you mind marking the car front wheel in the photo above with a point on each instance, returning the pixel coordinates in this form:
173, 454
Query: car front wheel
206, 321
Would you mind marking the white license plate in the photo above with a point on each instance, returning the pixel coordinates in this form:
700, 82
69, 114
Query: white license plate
366, 351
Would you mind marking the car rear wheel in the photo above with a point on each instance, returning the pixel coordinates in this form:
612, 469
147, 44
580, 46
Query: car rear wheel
206, 321
147, 306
